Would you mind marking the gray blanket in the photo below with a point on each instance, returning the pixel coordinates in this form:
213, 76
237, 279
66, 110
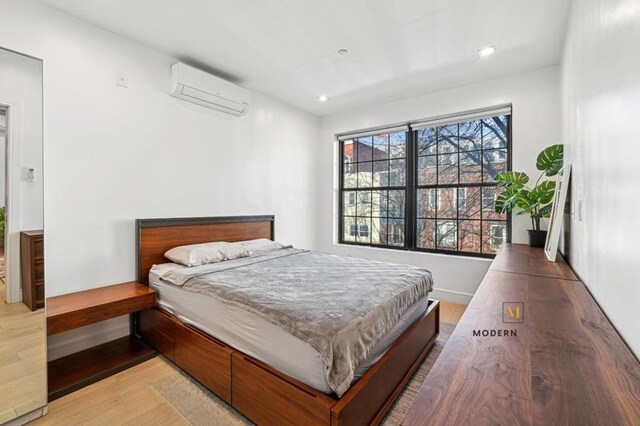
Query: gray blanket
341, 306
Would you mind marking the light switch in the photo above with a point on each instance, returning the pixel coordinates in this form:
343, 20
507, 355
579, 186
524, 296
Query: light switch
28, 174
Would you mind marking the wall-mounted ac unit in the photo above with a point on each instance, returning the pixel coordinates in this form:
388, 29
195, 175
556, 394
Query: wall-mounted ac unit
192, 85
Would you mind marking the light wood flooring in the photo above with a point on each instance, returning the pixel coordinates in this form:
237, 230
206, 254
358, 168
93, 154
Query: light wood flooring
23, 367
451, 312
129, 399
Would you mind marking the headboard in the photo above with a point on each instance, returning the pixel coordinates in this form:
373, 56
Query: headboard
155, 236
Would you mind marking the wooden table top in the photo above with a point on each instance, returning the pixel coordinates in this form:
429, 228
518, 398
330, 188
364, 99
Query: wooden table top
78, 301
566, 364
522, 259
33, 233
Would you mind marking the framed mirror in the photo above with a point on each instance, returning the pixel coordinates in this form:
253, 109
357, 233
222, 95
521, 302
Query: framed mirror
555, 221
23, 354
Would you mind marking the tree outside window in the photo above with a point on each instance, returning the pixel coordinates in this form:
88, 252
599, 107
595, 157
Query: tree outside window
429, 189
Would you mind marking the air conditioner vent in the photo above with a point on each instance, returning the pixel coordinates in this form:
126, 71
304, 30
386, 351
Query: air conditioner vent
198, 87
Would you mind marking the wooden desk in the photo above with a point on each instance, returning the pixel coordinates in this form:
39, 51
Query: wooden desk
567, 365
78, 309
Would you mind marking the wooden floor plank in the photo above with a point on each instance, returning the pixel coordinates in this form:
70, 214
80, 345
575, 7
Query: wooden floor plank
161, 415
22, 358
451, 312
120, 398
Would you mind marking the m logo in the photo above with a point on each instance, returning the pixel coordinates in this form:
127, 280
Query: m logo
512, 312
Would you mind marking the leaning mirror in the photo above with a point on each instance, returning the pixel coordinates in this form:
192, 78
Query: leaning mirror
23, 369
555, 223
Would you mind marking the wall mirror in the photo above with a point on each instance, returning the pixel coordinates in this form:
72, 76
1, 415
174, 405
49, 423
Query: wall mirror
23, 366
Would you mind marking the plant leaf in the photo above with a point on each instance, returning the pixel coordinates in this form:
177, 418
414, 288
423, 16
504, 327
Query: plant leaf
543, 193
525, 201
512, 179
551, 159
507, 200
545, 211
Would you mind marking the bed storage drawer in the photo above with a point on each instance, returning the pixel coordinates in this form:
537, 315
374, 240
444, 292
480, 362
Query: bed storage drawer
157, 329
204, 358
268, 397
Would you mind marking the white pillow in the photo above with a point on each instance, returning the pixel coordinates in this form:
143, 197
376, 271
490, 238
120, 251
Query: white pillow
260, 245
202, 254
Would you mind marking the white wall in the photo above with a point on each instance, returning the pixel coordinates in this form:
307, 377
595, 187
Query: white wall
21, 91
3, 130
536, 123
601, 107
113, 154
3, 148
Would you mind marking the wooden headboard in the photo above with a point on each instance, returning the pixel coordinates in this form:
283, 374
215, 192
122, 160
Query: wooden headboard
155, 236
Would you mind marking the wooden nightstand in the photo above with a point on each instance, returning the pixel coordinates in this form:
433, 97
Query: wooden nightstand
75, 310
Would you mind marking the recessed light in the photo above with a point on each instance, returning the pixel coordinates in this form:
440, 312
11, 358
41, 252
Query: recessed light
322, 98
487, 51
343, 52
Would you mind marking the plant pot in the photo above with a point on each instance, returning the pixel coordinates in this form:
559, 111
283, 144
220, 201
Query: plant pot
537, 238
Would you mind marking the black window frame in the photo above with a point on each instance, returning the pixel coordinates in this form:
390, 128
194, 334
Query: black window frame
411, 192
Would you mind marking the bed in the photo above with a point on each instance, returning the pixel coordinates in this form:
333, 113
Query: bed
269, 375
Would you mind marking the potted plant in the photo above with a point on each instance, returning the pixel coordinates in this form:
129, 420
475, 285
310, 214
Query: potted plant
535, 201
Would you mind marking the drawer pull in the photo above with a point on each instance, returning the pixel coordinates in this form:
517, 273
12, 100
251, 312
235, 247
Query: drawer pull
107, 313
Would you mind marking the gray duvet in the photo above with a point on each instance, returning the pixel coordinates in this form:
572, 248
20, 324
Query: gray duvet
341, 306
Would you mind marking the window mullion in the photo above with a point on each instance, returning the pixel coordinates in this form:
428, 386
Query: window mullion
410, 191
435, 213
458, 194
481, 180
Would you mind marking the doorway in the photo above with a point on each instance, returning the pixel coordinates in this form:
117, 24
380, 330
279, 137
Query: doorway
3, 191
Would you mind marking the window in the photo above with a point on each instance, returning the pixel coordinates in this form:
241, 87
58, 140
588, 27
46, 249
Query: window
488, 199
462, 198
347, 163
427, 186
397, 234
447, 235
376, 179
498, 235
433, 194
359, 230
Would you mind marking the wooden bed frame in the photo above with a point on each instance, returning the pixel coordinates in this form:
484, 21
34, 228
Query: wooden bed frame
258, 391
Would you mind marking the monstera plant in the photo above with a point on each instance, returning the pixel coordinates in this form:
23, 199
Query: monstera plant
535, 201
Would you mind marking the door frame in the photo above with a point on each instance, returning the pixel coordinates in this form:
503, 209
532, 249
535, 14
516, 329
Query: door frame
12, 206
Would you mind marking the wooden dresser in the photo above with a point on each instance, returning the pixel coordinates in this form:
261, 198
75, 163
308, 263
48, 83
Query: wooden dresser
565, 364
32, 265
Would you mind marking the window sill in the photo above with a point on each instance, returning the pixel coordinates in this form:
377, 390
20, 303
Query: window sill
402, 251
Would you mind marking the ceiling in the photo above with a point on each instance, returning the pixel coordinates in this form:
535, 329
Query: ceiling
288, 48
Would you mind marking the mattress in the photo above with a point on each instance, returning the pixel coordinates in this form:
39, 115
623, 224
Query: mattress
261, 339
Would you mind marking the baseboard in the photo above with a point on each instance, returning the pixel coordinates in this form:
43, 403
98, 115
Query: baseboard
452, 296
29, 417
